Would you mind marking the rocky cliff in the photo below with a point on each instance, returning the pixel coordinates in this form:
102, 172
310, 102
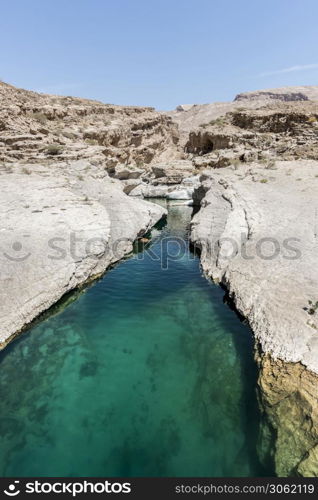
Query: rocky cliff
36, 127
59, 231
285, 94
191, 116
63, 219
257, 231
66, 167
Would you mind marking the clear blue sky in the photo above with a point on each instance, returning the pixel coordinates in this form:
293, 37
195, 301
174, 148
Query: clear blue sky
160, 53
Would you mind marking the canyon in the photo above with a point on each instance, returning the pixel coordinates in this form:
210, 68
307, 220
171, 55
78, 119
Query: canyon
78, 170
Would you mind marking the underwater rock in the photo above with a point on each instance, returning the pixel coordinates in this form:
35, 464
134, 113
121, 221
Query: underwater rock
288, 397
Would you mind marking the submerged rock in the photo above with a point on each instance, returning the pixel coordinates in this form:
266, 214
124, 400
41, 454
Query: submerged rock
288, 395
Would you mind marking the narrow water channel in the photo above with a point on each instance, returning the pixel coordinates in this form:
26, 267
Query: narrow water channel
147, 373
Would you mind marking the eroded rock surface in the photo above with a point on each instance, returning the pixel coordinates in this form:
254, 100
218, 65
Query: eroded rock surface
36, 127
285, 94
257, 230
189, 117
58, 231
66, 165
288, 395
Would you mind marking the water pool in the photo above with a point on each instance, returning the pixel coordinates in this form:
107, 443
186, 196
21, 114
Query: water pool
147, 373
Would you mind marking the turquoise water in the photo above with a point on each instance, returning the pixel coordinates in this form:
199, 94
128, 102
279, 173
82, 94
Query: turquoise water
147, 373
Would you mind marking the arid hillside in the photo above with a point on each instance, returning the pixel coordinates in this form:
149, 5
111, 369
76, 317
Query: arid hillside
36, 127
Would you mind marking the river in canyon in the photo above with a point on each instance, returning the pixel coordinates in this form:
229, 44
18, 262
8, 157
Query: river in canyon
147, 373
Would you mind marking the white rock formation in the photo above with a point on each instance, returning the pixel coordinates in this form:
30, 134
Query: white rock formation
58, 232
258, 231
180, 194
182, 191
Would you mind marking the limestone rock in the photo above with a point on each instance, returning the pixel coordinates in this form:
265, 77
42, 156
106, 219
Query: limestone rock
288, 394
85, 128
180, 168
169, 190
285, 94
149, 191
180, 194
123, 173
257, 230
193, 116
57, 233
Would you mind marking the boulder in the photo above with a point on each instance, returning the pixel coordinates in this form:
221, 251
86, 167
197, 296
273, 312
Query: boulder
180, 194
123, 172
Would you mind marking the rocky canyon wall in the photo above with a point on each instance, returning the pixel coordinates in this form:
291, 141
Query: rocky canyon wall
67, 166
